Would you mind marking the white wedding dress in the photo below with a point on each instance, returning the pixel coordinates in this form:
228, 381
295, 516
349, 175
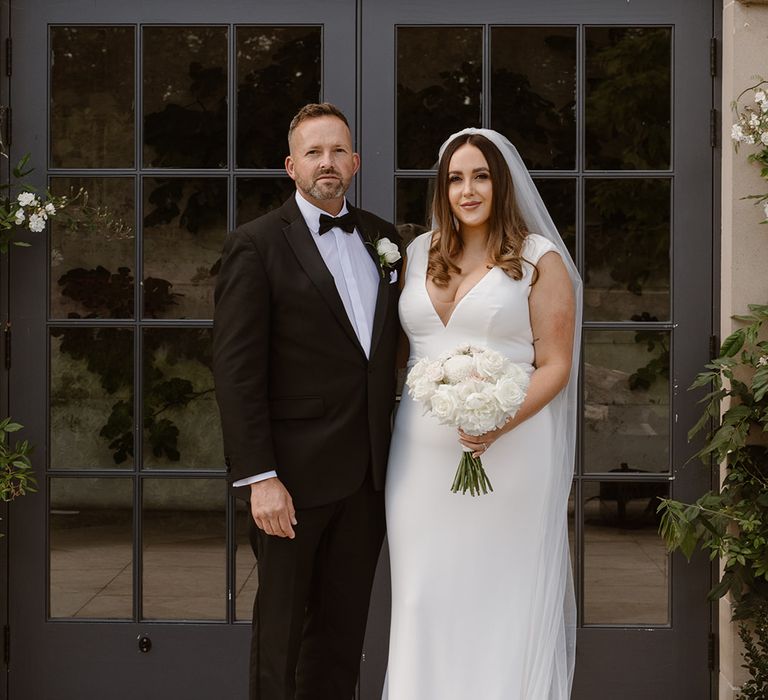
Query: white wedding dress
480, 585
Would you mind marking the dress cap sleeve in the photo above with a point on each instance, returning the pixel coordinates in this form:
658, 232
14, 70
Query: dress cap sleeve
535, 246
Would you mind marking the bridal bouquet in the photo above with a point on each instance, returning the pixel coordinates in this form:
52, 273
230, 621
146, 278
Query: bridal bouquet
475, 390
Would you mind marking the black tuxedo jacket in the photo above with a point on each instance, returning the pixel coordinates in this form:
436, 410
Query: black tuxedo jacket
294, 387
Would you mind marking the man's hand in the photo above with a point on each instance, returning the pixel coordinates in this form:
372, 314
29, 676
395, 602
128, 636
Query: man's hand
272, 508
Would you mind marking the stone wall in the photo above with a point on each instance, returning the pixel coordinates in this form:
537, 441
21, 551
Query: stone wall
744, 257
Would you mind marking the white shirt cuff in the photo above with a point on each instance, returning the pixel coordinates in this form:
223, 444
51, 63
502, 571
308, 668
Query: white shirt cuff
254, 479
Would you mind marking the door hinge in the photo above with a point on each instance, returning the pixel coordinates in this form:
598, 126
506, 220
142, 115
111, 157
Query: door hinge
713, 128
712, 652
7, 344
7, 645
713, 56
714, 347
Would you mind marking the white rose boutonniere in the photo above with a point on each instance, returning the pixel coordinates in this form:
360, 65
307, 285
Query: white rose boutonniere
388, 253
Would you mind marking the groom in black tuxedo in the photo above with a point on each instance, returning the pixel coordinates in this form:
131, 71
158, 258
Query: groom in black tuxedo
305, 330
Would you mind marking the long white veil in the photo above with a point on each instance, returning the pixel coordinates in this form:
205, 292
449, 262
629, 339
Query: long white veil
555, 603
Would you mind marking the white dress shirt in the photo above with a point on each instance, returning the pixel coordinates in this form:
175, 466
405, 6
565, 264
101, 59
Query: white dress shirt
355, 274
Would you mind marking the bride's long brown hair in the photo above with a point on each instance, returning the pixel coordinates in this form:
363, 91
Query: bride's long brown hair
507, 230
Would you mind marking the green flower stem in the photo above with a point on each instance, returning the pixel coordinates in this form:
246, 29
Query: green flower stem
470, 476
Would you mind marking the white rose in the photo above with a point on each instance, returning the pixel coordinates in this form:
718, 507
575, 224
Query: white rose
20, 216
388, 251
458, 368
481, 412
468, 387
764, 138
489, 363
26, 199
36, 223
434, 372
422, 389
759, 96
510, 394
417, 371
754, 120
445, 405
50, 208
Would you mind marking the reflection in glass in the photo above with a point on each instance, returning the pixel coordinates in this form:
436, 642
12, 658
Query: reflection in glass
91, 550
414, 203
284, 61
247, 573
626, 566
559, 195
185, 222
628, 100
533, 93
181, 420
184, 555
92, 249
626, 401
439, 89
185, 97
91, 419
258, 195
92, 93
627, 250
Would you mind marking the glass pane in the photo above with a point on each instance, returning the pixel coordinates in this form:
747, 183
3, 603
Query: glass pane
247, 582
91, 398
559, 195
181, 419
626, 566
284, 61
628, 99
185, 222
91, 540
626, 401
627, 254
185, 97
184, 556
533, 93
92, 97
439, 89
92, 249
414, 203
258, 195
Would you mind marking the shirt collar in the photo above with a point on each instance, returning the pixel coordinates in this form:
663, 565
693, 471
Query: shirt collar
311, 213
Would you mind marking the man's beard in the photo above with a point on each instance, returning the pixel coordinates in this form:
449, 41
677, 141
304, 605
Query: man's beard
317, 191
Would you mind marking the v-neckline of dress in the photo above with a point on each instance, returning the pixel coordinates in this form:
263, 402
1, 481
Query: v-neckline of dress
456, 306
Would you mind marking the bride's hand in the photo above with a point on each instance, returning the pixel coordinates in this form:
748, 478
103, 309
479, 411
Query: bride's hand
480, 443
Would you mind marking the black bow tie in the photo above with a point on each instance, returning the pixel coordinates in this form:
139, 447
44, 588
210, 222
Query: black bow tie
346, 222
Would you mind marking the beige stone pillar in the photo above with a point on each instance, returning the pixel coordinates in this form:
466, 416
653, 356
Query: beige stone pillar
744, 241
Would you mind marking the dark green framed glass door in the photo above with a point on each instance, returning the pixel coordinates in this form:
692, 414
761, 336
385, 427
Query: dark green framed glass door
609, 106
131, 567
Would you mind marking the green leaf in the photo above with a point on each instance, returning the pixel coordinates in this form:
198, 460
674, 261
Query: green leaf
721, 588
760, 310
760, 382
733, 343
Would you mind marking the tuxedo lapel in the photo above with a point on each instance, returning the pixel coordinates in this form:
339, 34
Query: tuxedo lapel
382, 297
304, 248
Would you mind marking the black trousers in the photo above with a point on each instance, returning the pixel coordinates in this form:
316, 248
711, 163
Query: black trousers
311, 608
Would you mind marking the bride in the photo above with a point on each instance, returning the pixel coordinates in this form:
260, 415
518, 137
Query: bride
482, 594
